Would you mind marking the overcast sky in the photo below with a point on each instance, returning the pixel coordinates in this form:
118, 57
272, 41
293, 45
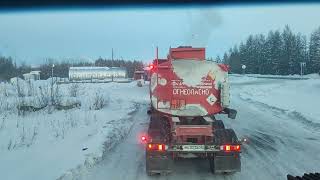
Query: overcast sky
134, 33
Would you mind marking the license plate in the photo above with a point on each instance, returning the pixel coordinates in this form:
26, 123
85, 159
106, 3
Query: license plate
193, 147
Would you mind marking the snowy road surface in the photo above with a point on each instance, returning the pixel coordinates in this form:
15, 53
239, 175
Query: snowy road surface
280, 142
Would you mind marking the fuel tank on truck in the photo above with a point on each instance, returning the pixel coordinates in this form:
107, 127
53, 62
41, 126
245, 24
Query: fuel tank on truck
189, 87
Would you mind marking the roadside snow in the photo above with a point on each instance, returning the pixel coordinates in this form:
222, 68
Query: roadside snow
295, 97
49, 143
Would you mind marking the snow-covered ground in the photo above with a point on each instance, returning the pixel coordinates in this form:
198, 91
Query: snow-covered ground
51, 143
279, 117
279, 142
293, 97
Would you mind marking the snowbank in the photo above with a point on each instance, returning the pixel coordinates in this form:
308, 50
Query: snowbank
294, 77
49, 143
298, 97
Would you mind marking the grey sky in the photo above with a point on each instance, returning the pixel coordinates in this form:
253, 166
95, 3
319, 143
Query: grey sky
134, 33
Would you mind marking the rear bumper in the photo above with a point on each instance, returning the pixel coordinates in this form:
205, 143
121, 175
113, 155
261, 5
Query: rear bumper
196, 149
222, 162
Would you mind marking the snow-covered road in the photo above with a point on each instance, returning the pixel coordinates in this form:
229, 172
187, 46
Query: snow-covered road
126, 161
280, 142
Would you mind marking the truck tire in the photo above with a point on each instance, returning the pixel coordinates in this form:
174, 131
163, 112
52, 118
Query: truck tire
225, 162
157, 162
150, 110
218, 124
225, 136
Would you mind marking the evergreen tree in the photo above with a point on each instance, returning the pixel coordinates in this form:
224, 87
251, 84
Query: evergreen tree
234, 60
7, 68
225, 58
287, 62
314, 52
218, 59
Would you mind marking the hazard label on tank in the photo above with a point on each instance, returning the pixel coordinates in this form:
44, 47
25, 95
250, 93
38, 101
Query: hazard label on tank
211, 99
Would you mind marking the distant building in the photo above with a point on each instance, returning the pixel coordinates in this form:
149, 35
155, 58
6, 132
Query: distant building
33, 75
96, 73
15, 80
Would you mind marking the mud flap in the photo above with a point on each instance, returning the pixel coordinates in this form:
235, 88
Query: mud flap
158, 164
225, 163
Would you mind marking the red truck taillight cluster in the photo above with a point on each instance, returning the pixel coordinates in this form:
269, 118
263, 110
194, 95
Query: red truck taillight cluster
156, 147
230, 148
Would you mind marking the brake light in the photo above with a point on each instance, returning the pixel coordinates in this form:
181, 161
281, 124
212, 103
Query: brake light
143, 138
156, 147
230, 148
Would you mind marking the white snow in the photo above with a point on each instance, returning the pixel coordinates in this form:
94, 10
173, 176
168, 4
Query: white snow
191, 71
280, 142
292, 96
49, 143
280, 118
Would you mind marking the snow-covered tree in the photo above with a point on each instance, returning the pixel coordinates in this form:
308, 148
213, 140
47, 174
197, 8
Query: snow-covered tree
314, 51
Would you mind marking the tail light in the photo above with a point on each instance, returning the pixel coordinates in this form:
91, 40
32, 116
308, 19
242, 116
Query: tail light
143, 138
156, 147
230, 148
151, 66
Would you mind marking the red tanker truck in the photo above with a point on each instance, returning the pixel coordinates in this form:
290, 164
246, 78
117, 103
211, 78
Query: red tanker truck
186, 93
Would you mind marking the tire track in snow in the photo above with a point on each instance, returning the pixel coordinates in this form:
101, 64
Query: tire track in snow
125, 161
112, 140
275, 148
276, 141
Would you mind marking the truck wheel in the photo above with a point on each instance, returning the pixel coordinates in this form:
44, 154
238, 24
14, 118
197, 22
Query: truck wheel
218, 124
150, 110
211, 163
157, 162
225, 136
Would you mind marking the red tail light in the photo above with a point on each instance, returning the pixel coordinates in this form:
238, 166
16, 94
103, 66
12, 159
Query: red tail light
156, 147
230, 148
143, 138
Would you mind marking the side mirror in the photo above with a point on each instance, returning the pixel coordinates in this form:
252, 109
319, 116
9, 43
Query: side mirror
231, 113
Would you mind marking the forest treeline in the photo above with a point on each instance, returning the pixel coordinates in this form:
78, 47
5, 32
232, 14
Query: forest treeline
9, 69
278, 52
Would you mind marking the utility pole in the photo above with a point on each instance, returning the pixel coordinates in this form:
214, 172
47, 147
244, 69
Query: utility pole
112, 54
302, 66
112, 63
52, 84
112, 57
